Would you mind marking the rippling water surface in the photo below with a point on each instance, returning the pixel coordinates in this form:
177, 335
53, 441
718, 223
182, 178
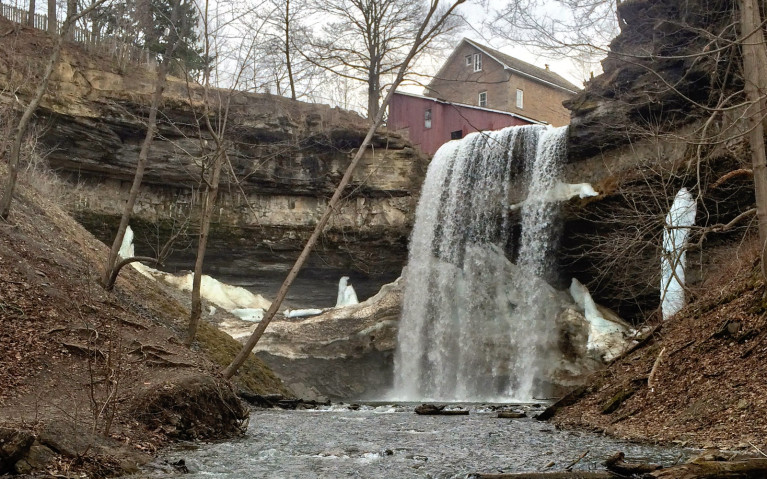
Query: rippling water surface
393, 442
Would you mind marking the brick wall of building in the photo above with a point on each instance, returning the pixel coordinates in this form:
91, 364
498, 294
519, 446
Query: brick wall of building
458, 82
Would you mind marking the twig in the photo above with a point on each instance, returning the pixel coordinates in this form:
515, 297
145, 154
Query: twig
570, 466
727, 176
651, 377
757, 449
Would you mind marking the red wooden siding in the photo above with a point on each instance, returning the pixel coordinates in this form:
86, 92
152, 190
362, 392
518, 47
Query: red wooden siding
406, 114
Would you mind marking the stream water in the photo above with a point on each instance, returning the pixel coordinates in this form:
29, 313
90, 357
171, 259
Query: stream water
386, 441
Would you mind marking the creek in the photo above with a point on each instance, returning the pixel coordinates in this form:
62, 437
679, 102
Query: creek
390, 441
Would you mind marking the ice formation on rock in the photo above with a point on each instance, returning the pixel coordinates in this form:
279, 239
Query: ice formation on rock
606, 337
223, 295
127, 251
346, 294
680, 218
249, 314
302, 313
563, 192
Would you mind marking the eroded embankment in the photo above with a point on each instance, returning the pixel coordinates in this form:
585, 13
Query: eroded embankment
699, 379
92, 380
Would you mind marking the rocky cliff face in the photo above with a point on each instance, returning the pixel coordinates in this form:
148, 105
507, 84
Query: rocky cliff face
644, 129
668, 57
286, 158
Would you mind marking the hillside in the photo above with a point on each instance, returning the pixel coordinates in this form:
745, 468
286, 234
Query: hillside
707, 388
76, 360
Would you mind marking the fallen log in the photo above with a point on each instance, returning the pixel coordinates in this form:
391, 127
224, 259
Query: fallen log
567, 400
737, 469
549, 475
616, 464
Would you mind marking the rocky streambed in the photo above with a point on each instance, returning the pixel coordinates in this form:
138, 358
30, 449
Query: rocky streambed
387, 440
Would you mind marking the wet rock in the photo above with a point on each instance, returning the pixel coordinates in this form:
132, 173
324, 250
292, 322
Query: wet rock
511, 415
439, 410
39, 456
343, 353
180, 466
14, 444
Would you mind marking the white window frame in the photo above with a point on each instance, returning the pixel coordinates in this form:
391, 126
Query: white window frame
520, 98
427, 118
482, 99
469, 60
477, 62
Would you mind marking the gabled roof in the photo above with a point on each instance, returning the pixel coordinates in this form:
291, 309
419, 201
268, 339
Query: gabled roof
517, 66
473, 107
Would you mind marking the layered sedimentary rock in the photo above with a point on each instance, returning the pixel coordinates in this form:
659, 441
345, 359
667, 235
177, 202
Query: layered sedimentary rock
286, 158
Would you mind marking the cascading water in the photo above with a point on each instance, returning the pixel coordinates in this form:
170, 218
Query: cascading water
474, 327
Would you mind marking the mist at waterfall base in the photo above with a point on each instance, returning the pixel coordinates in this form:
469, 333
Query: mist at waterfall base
471, 329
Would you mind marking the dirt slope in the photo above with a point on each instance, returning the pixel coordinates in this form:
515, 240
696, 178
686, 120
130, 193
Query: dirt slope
709, 386
74, 357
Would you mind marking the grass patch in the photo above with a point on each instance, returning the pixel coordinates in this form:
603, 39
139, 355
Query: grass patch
253, 376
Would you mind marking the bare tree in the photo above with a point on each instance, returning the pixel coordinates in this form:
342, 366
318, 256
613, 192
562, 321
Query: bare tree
286, 21
368, 40
579, 30
143, 157
52, 23
31, 14
755, 88
432, 24
213, 158
29, 111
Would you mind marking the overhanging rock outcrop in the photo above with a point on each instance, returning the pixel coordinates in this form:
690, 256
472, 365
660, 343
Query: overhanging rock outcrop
648, 126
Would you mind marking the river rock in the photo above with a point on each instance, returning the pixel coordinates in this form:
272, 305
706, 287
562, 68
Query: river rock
511, 415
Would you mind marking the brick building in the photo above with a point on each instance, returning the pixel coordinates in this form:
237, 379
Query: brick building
477, 75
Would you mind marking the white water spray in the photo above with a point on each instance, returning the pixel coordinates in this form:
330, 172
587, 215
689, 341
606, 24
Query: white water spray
474, 325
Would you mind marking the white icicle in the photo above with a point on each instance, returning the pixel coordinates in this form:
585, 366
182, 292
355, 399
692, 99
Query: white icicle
346, 294
680, 218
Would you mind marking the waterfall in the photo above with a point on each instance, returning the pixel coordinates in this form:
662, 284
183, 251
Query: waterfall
473, 326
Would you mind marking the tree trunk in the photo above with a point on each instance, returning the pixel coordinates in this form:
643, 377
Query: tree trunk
286, 24
143, 156
21, 129
31, 14
52, 23
71, 12
207, 207
754, 71
374, 92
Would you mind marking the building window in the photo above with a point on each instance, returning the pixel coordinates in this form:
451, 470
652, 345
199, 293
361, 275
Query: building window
477, 62
483, 98
456, 135
427, 118
520, 98
468, 60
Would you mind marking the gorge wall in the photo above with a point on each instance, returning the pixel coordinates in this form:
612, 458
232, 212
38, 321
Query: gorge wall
663, 115
286, 159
